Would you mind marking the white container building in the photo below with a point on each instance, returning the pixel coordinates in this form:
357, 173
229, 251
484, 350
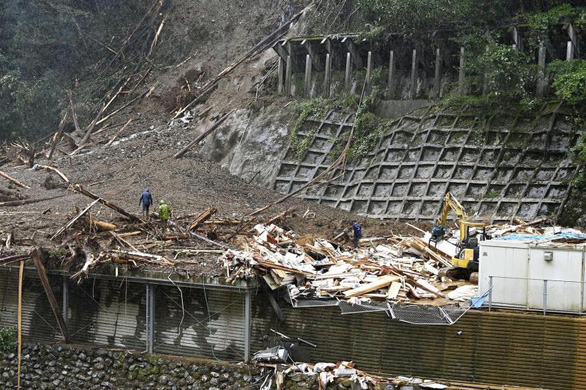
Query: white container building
531, 274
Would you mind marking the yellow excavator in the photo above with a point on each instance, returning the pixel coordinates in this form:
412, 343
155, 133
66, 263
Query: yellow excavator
467, 255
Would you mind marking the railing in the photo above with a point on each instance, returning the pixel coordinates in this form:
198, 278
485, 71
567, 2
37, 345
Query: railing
545, 295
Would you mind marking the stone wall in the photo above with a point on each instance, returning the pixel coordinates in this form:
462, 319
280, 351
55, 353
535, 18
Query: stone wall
74, 367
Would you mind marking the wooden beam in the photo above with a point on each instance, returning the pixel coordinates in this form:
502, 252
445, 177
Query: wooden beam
380, 282
50, 296
202, 218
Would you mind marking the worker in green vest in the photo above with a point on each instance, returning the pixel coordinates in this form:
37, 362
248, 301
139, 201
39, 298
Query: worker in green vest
164, 212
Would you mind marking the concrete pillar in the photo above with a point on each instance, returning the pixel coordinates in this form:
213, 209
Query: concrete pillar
348, 70
462, 73
369, 72
247, 311
288, 75
574, 39
150, 317
390, 81
327, 76
413, 87
541, 81
485, 78
437, 76
280, 76
65, 310
307, 88
518, 44
570, 52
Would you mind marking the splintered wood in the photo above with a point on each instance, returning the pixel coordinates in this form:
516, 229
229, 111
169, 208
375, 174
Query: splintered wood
398, 269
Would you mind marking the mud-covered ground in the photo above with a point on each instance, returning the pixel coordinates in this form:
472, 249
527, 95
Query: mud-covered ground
120, 172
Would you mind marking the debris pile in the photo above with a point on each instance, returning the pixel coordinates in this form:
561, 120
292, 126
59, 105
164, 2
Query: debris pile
396, 269
343, 374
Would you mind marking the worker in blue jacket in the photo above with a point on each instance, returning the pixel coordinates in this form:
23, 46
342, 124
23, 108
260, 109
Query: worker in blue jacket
146, 200
357, 229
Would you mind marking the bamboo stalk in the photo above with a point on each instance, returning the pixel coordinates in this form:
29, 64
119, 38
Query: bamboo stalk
19, 319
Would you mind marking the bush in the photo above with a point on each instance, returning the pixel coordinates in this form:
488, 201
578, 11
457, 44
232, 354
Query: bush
569, 80
7, 342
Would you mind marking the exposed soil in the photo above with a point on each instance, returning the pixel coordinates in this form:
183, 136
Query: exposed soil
198, 41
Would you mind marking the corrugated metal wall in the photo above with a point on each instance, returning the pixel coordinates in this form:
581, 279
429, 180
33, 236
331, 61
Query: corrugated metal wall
107, 312
38, 321
514, 348
197, 322
524, 349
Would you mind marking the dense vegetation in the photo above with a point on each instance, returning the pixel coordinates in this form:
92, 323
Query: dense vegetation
48, 47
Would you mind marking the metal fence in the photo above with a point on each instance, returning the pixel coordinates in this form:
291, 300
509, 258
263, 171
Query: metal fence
534, 294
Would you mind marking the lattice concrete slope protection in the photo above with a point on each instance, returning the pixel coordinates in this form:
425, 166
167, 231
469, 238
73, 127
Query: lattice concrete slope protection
499, 167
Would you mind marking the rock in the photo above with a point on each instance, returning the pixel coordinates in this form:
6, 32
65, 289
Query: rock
163, 379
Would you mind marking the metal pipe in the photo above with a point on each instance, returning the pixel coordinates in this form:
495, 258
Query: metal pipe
544, 296
490, 285
65, 304
247, 304
150, 317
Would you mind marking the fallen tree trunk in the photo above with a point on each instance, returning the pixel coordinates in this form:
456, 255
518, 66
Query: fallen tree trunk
13, 180
82, 212
118, 133
80, 190
53, 169
50, 296
28, 201
58, 136
103, 226
203, 135
259, 47
15, 258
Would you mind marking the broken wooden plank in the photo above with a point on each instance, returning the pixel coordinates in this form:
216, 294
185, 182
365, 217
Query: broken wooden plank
79, 189
203, 135
13, 180
50, 296
202, 218
393, 290
380, 282
68, 224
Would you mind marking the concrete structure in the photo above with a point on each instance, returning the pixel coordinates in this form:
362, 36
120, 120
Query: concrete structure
415, 70
499, 167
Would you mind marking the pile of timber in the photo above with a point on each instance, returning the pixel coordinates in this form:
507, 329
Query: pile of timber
397, 269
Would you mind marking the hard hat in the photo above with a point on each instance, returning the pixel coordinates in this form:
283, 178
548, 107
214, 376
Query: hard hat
161, 202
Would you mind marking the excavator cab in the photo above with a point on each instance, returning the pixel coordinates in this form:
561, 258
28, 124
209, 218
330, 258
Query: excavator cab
468, 250
466, 260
